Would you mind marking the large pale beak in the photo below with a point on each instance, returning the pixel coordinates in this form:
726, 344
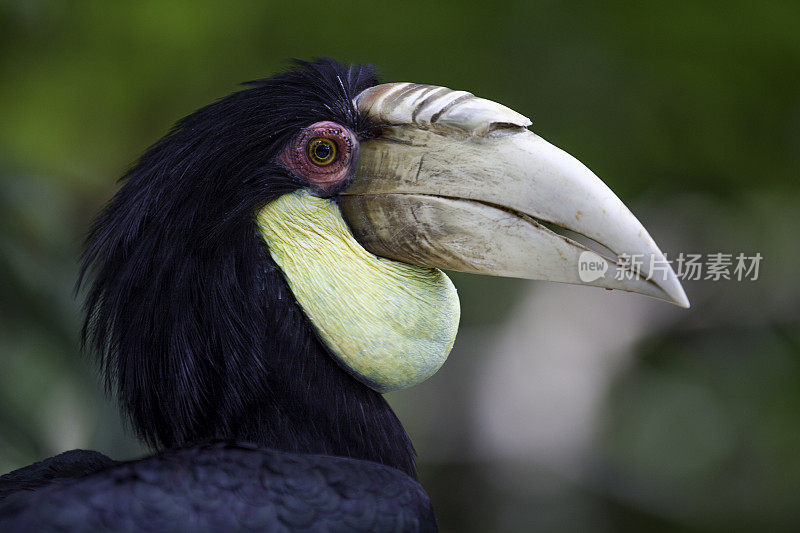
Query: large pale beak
458, 182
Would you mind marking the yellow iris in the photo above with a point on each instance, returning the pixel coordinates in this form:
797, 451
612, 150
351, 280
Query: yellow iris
322, 151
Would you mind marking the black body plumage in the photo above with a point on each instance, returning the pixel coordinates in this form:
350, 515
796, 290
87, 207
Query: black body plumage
200, 338
224, 486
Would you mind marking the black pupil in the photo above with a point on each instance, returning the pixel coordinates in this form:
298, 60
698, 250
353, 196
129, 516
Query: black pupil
322, 151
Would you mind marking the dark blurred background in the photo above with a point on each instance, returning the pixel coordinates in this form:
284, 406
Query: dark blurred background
561, 408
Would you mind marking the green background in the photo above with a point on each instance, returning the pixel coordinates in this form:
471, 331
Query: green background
662, 419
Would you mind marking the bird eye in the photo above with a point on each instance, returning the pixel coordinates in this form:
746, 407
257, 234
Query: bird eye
322, 151
324, 155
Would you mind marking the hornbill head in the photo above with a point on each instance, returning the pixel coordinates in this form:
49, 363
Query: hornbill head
315, 208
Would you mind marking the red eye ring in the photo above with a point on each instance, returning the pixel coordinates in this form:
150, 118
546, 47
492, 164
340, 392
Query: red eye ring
324, 154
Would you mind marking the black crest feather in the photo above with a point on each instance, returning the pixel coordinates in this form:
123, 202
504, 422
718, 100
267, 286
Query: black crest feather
195, 328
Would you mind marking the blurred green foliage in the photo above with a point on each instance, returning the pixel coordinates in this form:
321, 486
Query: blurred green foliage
689, 104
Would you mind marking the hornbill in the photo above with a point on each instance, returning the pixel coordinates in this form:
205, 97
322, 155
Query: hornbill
270, 267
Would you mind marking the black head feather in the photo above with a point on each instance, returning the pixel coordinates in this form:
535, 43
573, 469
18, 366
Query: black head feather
196, 330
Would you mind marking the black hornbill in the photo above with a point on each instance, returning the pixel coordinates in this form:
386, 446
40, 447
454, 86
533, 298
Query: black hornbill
271, 266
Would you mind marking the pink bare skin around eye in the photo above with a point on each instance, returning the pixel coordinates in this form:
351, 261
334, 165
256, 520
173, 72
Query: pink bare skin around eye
295, 156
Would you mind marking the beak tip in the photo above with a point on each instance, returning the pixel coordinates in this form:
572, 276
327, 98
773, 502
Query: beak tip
673, 290
683, 302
